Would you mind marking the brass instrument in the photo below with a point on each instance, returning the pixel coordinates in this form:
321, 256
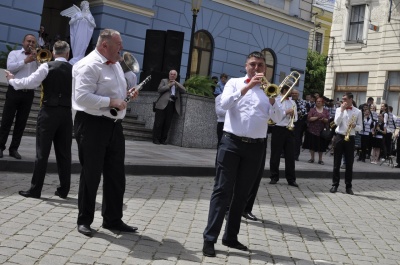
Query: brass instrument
332, 124
43, 55
290, 126
349, 127
129, 63
290, 81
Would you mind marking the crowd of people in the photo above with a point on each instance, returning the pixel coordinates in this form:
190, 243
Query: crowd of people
246, 116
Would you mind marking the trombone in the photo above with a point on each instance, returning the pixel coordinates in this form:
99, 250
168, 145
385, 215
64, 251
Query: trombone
272, 90
42, 55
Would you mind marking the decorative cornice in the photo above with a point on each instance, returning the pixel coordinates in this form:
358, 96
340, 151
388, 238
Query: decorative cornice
124, 6
268, 13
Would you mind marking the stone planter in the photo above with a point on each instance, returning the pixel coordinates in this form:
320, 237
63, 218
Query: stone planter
196, 127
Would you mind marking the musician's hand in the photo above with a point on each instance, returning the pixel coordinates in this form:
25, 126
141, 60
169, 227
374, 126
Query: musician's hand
133, 93
343, 106
353, 125
30, 58
9, 75
289, 112
118, 103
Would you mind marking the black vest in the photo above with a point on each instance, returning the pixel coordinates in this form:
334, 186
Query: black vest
57, 86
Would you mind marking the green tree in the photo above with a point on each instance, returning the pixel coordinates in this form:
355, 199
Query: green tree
199, 85
4, 55
315, 73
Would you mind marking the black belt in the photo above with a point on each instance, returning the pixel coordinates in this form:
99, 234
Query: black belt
244, 139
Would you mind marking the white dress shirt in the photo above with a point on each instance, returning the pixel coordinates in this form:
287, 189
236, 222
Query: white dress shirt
131, 79
94, 83
17, 66
35, 79
368, 123
342, 120
219, 110
247, 115
279, 116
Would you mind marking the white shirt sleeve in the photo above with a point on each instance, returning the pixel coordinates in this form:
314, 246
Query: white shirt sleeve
32, 81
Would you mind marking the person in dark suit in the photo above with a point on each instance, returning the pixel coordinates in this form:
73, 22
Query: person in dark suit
21, 63
54, 121
170, 101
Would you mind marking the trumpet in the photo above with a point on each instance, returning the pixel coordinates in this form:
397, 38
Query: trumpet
290, 126
114, 111
332, 124
349, 127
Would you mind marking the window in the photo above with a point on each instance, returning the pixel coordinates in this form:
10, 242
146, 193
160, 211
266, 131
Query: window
394, 81
351, 82
270, 62
203, 46
318, 42
356, 27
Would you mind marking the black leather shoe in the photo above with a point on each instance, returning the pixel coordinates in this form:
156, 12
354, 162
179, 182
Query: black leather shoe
294, 184
397, 166
349, 191
250, 216
1, 153
28, 194
234, 244
273, 181
163, 142
15, 154
121, 227
85, 229
208, 249
59, 195
156, 142
333, 189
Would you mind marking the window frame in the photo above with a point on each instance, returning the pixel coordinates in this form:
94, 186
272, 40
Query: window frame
351, 44
269, 66
199, 51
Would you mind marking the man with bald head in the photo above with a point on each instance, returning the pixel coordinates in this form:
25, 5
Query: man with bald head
167, 104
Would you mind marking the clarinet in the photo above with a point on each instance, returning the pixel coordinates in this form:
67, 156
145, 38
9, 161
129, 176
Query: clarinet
114, 111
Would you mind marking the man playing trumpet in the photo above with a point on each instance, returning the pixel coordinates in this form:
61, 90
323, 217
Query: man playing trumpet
348, 120
21, 63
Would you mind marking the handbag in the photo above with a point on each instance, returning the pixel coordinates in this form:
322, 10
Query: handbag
326, 134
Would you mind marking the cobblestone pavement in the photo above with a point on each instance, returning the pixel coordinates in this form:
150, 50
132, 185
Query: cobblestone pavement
306, 225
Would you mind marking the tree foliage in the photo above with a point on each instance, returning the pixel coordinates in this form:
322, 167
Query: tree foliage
315, 73
199, 85
4, 55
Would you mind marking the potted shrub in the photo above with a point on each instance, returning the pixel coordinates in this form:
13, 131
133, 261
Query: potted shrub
199, 85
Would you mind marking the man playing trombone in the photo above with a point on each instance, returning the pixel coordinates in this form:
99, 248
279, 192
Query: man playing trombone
240, 152
348, 120
283, 138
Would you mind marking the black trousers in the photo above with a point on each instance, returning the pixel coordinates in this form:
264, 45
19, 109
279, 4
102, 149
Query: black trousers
101, 149
299, 129
18, 104
237, 166
345, 148
282, 139
220, 128
54, 125
388, 144
398, 151
365, 145
162, 122
254, 190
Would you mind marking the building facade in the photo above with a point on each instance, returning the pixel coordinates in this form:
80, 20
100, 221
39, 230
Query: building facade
225, 32
322, 13
364, 51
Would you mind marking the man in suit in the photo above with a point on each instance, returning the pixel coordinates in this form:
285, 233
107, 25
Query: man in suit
54, 121
21, 63
170, 99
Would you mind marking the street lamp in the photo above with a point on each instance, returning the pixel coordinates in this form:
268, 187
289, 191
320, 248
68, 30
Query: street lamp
195, 9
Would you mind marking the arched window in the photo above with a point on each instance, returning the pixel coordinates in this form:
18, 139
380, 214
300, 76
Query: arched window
203, 46
270, 60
